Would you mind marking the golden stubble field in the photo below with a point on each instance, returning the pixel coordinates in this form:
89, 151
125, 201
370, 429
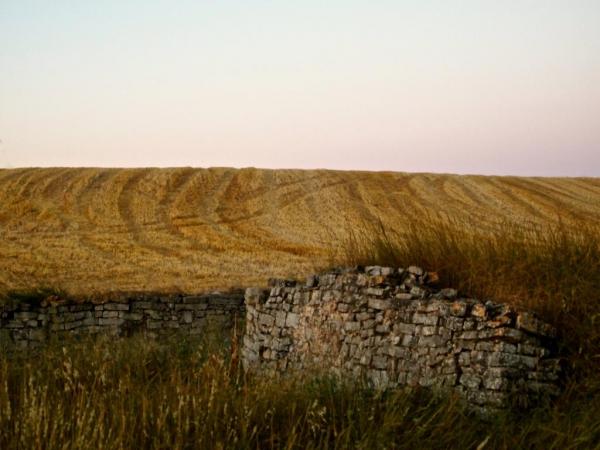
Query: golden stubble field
90, 230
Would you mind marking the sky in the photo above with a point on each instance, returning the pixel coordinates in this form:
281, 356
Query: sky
489, 87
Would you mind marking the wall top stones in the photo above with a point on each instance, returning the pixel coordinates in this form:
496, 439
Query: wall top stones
35, 300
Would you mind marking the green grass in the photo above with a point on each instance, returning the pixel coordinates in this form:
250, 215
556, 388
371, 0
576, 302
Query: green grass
134, 393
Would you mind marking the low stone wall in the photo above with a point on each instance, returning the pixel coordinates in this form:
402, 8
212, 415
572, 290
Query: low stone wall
390, 326
23, 325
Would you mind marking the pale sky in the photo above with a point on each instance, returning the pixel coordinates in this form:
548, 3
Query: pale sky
489, 87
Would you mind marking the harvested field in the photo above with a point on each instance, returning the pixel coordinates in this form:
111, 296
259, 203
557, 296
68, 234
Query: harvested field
90, 230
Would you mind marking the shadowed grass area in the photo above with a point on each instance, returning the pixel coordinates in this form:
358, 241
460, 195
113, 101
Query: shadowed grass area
134, 393
33, 296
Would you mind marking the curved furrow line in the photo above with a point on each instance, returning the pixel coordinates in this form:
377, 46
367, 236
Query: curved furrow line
235, 205
387, 187
292, 199
566, 195
270, 226
272, 187
513, 200
52, 197
178, 190
246, 226
465, 205
234, 210
560, 190
94, 191
434, 196
51, 188
87, 199
315, 230
373, 197
492, 211
419, 201
593, 181
33, 182
16, 184
89, 231
560, 203
7, 199
128, 215
8, 175
358, 201
455, 207
549, 207
51, 207
268, 210
584, 185
208, 208
546, 205
403, 190
22, 206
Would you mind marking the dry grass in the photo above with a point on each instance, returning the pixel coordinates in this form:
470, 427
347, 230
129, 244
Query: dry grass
135, 393
100, 230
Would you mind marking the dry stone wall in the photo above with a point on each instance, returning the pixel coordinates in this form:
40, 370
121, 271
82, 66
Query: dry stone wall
390, 326
23, 325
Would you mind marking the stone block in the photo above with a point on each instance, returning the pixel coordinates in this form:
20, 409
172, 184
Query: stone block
352, 326
280, 317
73, 325
528, 322
376, 292
143, 305
255, 296
479, 310
292, 319
415, 270
116, 307
448, 293
380, 304
425, 319
379, 362
266, 319
110, 321
25, 315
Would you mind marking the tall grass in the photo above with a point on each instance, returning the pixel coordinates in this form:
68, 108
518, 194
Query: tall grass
553, 270
134, 393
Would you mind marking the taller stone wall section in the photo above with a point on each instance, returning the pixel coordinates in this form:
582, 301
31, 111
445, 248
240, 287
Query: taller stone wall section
391, 327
